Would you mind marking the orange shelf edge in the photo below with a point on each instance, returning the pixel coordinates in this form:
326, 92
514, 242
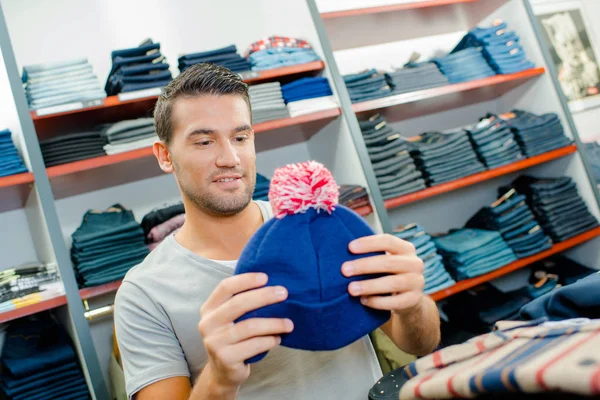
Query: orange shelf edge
523, 262
390, 8
33, 308
390, 101
363, 211
18, 179
95, 291
480, 177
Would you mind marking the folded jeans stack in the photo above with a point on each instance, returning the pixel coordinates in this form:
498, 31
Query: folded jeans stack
494, 142
436, 276
419, 77
73, 147
261, 189
54, 84
367, 85
162, 222
10, 160
40, 362
394, 166
279, 51
267, 102
444, 156
227, 57
308, 95
353, 196
129, 135
464, 65
556, 203
106, 245
28, 284
512, 217
501, 48
592, 150
137, 68
536, 134
469, 253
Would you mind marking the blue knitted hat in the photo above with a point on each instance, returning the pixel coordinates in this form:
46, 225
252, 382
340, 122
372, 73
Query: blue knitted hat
303, 249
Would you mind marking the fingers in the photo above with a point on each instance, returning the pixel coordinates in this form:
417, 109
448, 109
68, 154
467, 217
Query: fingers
231, 286
383, 242
383, 264
242, 351
397, 302
255, 327
387, 284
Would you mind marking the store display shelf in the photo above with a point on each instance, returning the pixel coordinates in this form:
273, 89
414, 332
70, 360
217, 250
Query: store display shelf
523, 262
100, 290
33, 309
292, 70
464, 93
14, 190
117, 169
480, 177
363, 211
391, 8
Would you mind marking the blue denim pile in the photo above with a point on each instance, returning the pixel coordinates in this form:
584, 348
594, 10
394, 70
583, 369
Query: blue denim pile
137, 68
308, 95
593, 152
39, 362
445, 156
106, 245
367, 85
10, 160
267, 102
556, 203
501, 48
227, 57
53, 84
261, 189
418, 77
394, 167
494, 142
537, 134
279, 51
512, 217
469, 253
436, 276
464, 65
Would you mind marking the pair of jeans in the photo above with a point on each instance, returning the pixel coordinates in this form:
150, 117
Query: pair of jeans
10, 160
366, 85
425, 76
464, 65
227, 57
306, 88
281, 57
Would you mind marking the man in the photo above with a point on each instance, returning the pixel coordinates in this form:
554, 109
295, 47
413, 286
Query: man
175, 311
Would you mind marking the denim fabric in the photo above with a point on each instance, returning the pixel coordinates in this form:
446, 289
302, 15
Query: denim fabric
367, 85
10, 160
280, 57
425, 76
418, 184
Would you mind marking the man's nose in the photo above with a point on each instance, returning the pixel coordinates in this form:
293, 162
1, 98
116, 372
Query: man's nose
228, 156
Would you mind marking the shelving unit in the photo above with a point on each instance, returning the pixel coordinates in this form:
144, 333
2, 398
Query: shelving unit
33, 309
392, 8
14, 190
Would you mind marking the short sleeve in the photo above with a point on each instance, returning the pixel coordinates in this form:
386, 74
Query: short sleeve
149, 348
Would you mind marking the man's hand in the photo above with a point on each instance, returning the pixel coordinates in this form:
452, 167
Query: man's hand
398, 292
229, 344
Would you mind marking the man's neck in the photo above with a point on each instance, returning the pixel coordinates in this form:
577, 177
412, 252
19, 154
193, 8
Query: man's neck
217, 237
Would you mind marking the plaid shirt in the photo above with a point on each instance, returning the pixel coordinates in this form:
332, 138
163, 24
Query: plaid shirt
276, 41
527, 357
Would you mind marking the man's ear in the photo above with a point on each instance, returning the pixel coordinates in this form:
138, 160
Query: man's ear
163, 156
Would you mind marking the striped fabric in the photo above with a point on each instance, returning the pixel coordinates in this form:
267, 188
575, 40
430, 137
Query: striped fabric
528, 357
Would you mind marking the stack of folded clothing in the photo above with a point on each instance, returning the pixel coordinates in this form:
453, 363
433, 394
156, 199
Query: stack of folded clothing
106, 245
227, 57
137, 68
562, 213
367, 85
267, 102
28, 284
161, 222
494, 142
536, 134
464, 65
469, 253
501, 48
261, 189
39, 361
436, 276
308, 95
353, 196
129, 135
512, 217
73, 147
71, 81
445, 156
592, 150
394, 167
11, 162
418, 77
279, 51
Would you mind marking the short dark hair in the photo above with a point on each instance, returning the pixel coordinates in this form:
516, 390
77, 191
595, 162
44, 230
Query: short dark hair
197, 80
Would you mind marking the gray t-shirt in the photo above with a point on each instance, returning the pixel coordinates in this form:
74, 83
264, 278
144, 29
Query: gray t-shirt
157, 314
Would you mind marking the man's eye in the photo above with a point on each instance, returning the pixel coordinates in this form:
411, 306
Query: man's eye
240, 139
203, 143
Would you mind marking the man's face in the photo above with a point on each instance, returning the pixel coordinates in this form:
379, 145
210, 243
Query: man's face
212, 150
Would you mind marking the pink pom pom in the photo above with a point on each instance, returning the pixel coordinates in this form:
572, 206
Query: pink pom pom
296, 188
